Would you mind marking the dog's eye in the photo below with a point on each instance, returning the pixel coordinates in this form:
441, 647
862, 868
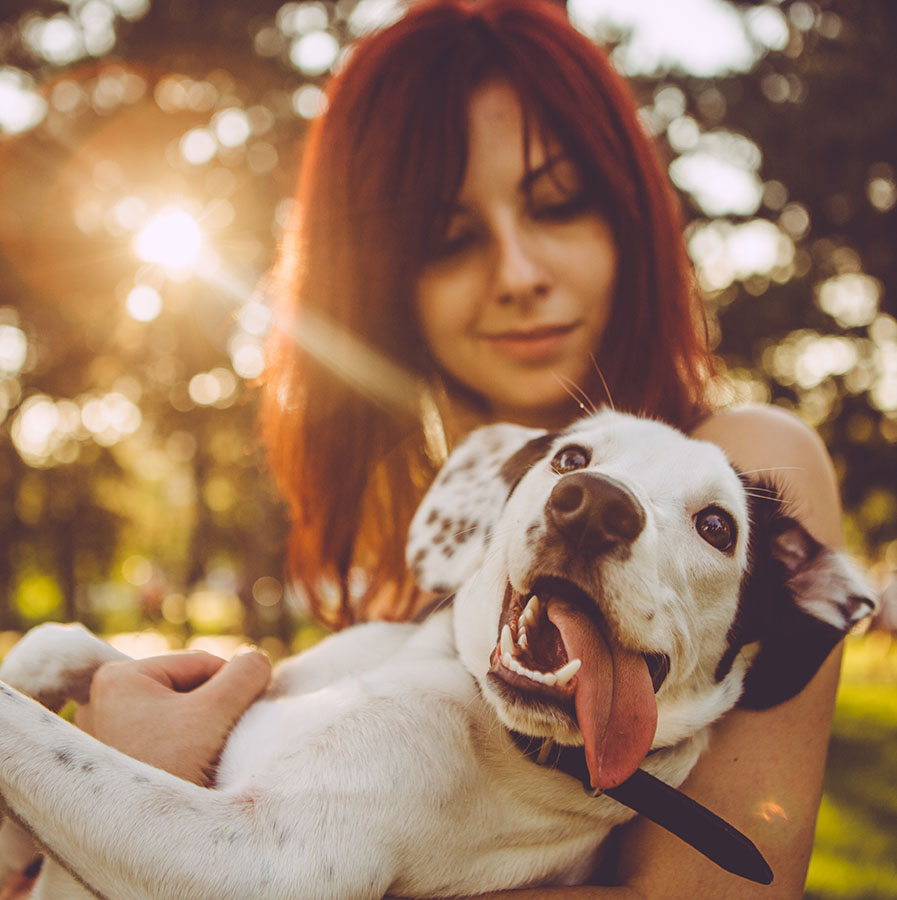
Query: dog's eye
716, 527
569, 459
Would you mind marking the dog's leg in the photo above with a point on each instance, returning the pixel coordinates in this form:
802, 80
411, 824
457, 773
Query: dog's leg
131, 832
52, 663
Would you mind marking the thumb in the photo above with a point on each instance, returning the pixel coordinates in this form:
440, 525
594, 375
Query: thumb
237, 683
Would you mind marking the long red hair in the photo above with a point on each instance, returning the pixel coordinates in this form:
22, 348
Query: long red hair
379, 171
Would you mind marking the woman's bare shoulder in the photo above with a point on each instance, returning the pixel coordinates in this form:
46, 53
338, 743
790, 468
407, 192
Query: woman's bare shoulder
775, 445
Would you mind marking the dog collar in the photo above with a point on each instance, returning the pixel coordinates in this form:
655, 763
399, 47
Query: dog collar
652, 798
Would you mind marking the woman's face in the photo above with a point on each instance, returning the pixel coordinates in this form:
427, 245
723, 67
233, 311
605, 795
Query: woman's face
518, 294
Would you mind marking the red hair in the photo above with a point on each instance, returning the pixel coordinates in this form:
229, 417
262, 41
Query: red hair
380, 169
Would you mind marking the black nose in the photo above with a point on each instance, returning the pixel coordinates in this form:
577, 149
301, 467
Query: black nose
595, 512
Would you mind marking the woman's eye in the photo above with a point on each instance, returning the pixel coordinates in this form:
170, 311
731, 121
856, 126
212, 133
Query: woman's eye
451, 246
569, 459
562, 210
717, 528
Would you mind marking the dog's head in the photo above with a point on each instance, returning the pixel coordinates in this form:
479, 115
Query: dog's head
620, 586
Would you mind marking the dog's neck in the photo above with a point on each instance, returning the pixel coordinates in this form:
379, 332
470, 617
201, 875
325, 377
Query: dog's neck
570, 760
664, 805
547, 752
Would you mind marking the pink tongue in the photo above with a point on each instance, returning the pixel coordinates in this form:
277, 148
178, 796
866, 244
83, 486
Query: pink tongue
614, 697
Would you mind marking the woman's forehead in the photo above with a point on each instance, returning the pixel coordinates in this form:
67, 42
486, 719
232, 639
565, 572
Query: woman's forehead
501, 127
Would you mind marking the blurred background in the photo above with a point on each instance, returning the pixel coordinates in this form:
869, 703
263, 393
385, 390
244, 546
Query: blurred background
148, 150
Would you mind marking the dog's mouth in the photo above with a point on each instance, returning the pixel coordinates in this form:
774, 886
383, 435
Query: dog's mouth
555, 646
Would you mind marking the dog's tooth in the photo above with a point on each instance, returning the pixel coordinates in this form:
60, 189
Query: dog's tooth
566, 672
531, 612
507, 642
507, 660
522, 641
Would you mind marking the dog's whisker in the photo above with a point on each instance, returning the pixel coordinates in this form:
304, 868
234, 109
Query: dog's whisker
576, 393
774, 469
610, 399
772, 496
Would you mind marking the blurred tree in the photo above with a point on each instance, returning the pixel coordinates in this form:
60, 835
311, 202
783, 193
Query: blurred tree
147, 154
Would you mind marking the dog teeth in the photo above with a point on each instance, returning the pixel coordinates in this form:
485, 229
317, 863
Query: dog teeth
507, 642
567, 671
530, 614
558, 678
508, 649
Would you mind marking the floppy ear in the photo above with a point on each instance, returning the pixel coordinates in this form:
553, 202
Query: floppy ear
798, 600
451, 529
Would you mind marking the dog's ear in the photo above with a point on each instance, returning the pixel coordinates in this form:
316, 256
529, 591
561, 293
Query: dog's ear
799, 598
453, 524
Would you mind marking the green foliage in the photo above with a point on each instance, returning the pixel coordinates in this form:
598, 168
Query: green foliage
38, 597
855, 854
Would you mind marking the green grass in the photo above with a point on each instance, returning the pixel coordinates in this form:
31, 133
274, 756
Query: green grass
855, 854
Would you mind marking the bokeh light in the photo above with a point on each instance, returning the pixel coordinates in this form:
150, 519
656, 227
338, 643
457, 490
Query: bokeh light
21, 107
172, 238
144, 303
13, 350
314, 53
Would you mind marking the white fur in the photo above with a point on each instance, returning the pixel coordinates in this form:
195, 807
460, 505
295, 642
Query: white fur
377, 762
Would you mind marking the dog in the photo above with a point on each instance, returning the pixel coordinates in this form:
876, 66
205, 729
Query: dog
618, 586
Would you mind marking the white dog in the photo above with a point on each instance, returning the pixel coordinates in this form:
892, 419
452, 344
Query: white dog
619, 587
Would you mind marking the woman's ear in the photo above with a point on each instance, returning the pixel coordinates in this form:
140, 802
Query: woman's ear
450, 531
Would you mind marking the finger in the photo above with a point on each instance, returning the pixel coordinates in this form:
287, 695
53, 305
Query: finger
236, 684
181, 671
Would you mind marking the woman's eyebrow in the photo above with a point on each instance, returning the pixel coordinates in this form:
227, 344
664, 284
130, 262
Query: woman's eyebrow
545, 168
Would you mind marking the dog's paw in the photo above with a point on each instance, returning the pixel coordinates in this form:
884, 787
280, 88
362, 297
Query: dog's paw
53, 663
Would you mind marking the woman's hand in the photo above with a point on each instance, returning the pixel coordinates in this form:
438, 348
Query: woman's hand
175, 711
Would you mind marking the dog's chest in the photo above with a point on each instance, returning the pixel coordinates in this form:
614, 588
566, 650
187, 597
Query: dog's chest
410, 747
329, 705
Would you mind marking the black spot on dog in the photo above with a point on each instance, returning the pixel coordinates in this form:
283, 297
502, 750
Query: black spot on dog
434, 515
783, 558
64, 757
516, 466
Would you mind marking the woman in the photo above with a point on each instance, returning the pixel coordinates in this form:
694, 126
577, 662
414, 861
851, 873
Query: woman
481, 205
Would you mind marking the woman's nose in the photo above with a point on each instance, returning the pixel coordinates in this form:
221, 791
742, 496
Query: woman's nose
520, 276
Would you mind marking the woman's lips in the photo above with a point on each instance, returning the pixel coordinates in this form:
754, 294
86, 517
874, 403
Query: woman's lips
532, 345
